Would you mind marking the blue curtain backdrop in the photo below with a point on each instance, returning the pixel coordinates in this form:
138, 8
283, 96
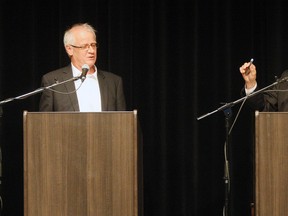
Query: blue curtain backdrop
179, 60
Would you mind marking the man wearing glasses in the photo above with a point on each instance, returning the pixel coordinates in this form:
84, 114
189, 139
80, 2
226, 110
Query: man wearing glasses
98, 91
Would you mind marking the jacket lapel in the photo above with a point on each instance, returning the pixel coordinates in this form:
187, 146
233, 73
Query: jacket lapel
67, 74
103, 90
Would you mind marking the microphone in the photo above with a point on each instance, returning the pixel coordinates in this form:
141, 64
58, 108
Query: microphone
247, 72
85, 69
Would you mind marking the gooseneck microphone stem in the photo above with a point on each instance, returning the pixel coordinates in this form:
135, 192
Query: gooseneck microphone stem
39, 90
231, 104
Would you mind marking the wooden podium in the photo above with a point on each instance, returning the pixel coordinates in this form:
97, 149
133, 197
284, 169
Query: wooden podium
84, 164
271, 164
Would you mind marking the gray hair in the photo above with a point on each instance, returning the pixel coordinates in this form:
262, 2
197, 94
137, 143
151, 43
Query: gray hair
69, 37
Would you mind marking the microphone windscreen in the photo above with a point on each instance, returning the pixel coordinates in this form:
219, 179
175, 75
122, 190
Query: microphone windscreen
85, 67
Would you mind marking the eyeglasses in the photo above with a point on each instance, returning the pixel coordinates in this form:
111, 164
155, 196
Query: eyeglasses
86, 46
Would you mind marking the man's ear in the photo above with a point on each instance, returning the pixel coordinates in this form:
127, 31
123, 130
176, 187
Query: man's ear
69, 50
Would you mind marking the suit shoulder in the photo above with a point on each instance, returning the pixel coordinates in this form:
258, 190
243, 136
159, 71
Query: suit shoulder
108, 74
285, 73
58, 71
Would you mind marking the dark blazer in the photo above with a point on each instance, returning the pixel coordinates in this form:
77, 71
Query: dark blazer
64, 97
273, 100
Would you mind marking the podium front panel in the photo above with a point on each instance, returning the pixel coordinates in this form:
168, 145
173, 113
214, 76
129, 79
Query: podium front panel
83, 164
271, 164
